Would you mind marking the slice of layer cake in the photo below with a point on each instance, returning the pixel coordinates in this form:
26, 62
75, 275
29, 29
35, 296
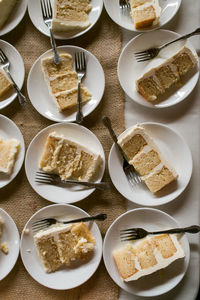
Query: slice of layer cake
6, 7
62, 244
147, 256
145, 156
70, 15
5, 84
158, 80
69, 159
145, 13
8, 153
62, 82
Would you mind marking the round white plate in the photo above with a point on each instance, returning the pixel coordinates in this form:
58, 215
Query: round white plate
57, 194
17, 71
9, 130
153, 284
94, 80
169, 10
129, 70
11, 237
174, 149
35, 14
65, 278
15, 17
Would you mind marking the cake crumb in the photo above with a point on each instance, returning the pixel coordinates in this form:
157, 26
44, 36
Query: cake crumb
26, 231
4, 248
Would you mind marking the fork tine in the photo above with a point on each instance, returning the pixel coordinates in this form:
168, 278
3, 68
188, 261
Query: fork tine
140, 52
43, 181
3, 54
50, 9
142, 55
43, 9
44, 175
144, 59
83, 60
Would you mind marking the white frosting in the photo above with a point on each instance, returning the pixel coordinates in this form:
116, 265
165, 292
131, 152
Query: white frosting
11, 159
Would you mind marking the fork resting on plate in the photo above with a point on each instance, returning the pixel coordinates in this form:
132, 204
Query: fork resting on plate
44, 223
153, 52
139, 233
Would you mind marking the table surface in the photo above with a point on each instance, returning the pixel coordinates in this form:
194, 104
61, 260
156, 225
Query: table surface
184, 118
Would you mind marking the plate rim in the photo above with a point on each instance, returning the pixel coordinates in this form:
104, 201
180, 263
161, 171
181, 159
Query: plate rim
22, 148
64, 124
63, 47
73, 36
146, 103
190, 158
47, 207
137, 31
157, 211
18, 239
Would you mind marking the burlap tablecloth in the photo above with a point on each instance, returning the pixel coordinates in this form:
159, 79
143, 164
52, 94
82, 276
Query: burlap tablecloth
18, 198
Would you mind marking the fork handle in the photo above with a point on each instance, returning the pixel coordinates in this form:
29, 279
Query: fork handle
79, 115
99, 217
21, 97
183, 37
56, 57
98, 185
107, 123
190, 229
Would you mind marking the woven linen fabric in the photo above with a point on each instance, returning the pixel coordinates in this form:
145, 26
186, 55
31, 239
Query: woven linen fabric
21, 201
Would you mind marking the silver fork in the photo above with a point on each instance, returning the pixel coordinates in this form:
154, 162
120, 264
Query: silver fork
153, 52
44, 223
47, 15
80, 66
130, 172
124, 6
139, 233
6, 65
53, 179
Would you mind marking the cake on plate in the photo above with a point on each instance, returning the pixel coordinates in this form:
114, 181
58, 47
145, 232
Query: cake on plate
145, 156
62, 82
145, 13
62, 244
5, 84
69, 159
158, 80
70, 15
147, 256
6, 7
9, 149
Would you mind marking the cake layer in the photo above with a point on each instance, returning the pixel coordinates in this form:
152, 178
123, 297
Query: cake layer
64, 82
145, 156
61, 244
69, 159
5, 83
6, 7
70, 15
8, 152
50, 69
156, 81
147, 256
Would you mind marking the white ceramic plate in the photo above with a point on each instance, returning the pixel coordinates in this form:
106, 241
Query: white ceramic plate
68, 194
35, 14
15, 17
11, 237
17, 71
169, 10
8, 130
174, 149
94, 81
65, 278
129, 70
154, 284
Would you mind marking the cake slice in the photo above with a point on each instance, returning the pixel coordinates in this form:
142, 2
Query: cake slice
5, 84
145, 156
147, 256
6, 7
70, 15
62, 244
69, 159
157, 81
145, 13
8, 153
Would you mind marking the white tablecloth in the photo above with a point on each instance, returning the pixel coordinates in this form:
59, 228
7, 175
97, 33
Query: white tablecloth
185, 119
